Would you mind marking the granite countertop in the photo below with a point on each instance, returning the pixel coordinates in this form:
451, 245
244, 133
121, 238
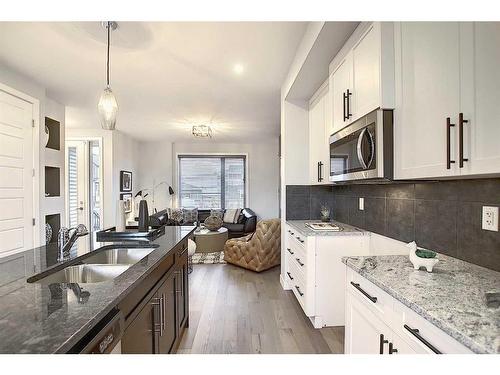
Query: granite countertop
452, 297
38, 318
347, 230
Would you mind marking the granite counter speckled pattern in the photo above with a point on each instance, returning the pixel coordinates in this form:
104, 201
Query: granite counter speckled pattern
348, 230
37, 318
451, 297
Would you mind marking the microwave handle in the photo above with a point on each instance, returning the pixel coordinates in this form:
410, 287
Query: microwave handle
360, 150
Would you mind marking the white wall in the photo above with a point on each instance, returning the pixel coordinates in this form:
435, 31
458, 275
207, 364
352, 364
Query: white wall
262, 174
155, 166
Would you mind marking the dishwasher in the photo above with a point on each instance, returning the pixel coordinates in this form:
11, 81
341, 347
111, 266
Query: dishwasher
104, 338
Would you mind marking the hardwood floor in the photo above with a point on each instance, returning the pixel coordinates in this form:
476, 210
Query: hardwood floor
233, 310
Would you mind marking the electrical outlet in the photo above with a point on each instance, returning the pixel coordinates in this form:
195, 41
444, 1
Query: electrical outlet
361, 204
490, 218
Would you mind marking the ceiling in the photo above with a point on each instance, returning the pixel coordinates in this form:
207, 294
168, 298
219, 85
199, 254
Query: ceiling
166, 76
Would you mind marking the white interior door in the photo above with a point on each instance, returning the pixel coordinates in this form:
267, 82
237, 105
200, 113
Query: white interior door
76, 186
16, 174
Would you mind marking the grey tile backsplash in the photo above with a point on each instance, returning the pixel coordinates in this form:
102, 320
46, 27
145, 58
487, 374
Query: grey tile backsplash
444, 216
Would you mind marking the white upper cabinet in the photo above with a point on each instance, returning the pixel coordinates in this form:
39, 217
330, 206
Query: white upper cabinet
366, 72
480, 98
427, 93
319, 164
447, 117
362, 75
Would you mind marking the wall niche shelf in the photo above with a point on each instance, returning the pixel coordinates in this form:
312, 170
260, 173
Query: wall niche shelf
52, 182
55, 224
54, 128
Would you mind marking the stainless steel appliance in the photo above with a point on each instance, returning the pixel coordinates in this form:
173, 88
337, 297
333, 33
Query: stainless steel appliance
363, 150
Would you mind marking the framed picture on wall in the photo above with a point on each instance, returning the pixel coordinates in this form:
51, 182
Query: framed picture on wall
125, 181
127, 199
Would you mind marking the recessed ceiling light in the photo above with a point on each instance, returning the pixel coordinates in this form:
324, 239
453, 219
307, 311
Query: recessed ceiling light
238, 68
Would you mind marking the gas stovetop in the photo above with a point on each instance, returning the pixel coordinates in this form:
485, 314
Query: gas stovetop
324, 227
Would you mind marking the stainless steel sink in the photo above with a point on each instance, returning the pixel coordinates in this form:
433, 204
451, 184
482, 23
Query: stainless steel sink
85, 273
118, 256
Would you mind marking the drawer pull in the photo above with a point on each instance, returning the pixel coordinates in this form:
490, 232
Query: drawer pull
298, 290
373, 299
290, 251
415, 332
392, 349
300, 239
299, 262
382, 342
289, 275
289, 231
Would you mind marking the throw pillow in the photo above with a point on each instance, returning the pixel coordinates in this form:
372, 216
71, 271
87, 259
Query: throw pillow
218, 213
177, 214
231, 215
190, 215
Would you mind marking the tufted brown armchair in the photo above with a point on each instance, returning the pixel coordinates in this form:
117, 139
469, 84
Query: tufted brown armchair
258, 251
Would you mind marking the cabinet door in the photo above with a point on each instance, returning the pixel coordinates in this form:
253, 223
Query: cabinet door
340, 82
364, 332
480, 97
141, 335
366, 72
427, 92
318, 145
169, 329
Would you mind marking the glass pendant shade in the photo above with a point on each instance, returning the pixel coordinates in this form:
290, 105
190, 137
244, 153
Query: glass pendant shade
108, 109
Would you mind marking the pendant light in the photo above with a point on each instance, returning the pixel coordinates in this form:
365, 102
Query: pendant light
108, 107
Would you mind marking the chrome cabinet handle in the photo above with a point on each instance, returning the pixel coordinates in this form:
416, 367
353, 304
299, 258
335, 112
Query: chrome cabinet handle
373, 299
299, 262
290, 251
415, 332
298, 290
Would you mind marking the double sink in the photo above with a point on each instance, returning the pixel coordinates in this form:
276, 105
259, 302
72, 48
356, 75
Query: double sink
100, 265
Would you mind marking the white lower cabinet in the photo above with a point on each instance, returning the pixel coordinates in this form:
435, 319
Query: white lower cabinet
376, 323
315, 273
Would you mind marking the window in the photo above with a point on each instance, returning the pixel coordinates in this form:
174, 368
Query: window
209, 182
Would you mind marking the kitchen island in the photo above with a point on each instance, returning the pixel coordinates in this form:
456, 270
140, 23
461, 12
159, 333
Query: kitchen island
56, 317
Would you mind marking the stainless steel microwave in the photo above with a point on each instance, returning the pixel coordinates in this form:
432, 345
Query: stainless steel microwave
363, 150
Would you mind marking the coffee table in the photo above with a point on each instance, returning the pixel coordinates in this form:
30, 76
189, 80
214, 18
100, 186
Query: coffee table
210, 241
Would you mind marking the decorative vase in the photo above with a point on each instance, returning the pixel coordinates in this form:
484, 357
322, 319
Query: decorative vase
143, 216
422, 257
213, 223
325, 214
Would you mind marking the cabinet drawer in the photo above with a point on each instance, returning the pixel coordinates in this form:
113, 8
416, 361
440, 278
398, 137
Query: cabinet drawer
298, 257
374, 298
421, 335
295, 237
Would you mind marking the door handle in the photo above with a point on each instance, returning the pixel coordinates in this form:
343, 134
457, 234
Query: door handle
158, 302
299, 262
298, 290
319, 172
382, 342
164, 308
80, 208
461, 123
356, 285
348, 105
449, 125
415, 332
392, 349
344, 97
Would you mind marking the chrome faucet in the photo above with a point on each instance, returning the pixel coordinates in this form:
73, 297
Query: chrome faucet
66, 242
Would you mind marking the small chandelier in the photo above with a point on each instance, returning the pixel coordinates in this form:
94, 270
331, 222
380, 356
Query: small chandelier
108, 107
202, 131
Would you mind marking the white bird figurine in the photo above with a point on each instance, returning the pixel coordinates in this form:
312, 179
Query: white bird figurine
418, 262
